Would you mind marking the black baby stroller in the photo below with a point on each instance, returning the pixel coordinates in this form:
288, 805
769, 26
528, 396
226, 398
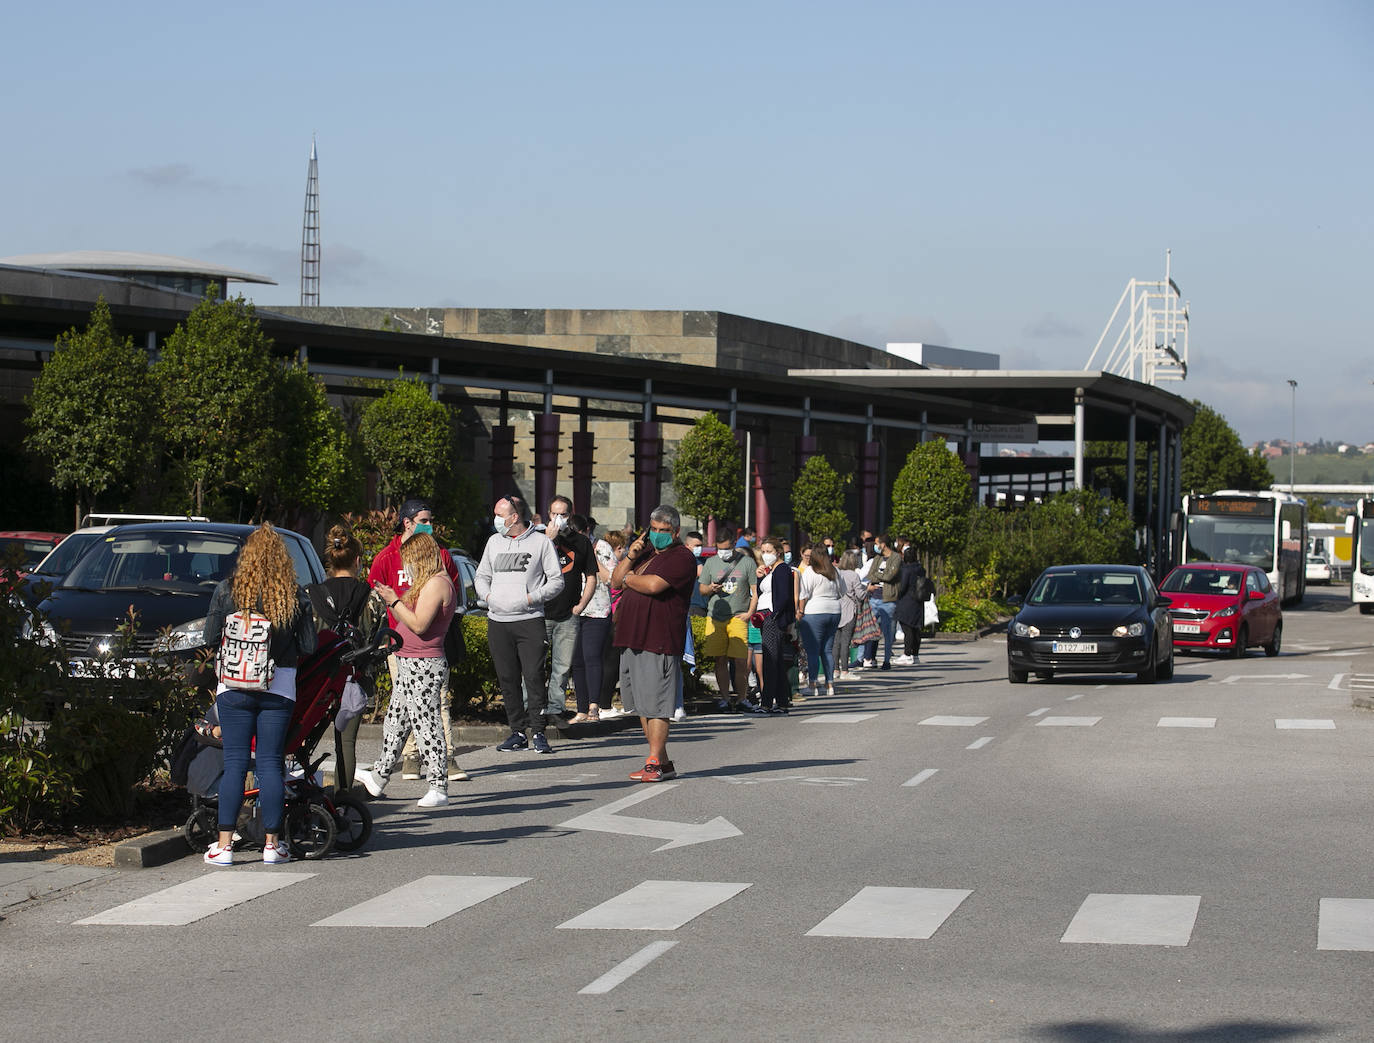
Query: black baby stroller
317, 821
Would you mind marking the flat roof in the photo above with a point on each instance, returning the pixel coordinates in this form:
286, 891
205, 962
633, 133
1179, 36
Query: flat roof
131, 262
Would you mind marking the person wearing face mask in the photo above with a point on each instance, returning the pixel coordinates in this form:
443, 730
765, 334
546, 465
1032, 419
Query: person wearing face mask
518, 574
730, 586
694, 543
776, 613
563, 611
416, 515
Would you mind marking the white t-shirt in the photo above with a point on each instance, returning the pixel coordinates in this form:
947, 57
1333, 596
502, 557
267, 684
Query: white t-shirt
599, 607
822, 595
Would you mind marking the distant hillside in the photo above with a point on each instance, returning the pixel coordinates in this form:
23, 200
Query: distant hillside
1326, 469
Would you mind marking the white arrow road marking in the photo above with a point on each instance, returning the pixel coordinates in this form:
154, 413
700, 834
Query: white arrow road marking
1335, 684
678, 834
1260, 677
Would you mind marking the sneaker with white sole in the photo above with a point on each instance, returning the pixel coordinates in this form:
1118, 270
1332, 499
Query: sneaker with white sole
455, 773
372, 782
219, 856
539, 744
410, 767
610, 713
516, 743
433, 799
680, 714
276, 854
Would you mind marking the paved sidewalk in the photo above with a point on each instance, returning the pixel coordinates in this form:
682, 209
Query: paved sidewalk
22, 882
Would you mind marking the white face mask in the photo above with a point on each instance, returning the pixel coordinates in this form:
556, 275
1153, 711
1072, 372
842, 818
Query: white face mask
501, 527
726, 555
556, 521
769, 558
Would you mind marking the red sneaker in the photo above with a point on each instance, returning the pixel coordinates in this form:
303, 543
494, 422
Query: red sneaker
654, 772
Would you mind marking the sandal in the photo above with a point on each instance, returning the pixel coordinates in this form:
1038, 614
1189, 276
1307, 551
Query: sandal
593, 715
580, 718
205, 733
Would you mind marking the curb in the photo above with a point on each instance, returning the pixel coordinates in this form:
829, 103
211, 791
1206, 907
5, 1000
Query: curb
151, 850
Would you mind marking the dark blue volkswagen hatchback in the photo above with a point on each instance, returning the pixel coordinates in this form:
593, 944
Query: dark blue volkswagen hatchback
1092, 619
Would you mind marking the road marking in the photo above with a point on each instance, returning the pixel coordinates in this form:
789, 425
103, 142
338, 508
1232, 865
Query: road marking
947, 721
655, 905
1099, 688
1299, 724
805, 780
1252, 678
1346, 924
839, 718
1187, 722
539, 776
920, 777
1067, 722
678, 834
626, 968
196, 899
891, 912
1037, 713
1071, 698
422, 902
1109, 919
978, 744
1335, 684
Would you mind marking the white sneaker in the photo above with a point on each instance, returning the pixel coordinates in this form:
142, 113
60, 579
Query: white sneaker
902, 660
610, 713
680, 714
830, 689
433, 799
868, 664
373, 783
277, 854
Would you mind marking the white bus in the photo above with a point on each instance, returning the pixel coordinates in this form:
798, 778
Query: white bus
1267, 529
1360, 526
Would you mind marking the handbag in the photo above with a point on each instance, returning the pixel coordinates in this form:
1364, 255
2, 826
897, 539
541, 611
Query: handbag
932, 617
865, 625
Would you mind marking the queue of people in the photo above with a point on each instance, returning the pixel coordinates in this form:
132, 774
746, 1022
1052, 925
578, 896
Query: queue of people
610, 612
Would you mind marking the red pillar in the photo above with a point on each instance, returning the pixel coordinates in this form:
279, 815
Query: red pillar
583, 466
759, 468
648, 469
545, 460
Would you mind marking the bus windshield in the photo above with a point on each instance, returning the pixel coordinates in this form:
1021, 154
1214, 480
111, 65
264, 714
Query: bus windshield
1242, 540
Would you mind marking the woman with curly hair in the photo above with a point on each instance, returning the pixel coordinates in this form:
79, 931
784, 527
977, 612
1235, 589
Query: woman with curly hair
264, 581
422, 617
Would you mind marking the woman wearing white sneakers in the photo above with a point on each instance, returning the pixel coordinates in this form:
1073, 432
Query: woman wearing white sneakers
422, 618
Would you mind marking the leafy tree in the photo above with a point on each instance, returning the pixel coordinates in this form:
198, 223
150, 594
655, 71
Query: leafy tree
708, 470
318, 463
1214, 458
91, 410
216, 381
931, 499
818, 501
408, 437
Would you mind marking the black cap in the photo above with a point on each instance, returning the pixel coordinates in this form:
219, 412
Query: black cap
410, 509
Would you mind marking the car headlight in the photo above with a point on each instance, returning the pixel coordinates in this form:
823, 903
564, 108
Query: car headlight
44, 633
187, 635
1229, 610
1022, 630
1129, 630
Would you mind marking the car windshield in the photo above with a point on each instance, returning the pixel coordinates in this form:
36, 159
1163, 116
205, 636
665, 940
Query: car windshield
1219, 582
1087, 588
27, 552
64, 555
156, 561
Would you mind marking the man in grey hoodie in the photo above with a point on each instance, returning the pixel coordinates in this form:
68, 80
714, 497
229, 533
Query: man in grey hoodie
519, 572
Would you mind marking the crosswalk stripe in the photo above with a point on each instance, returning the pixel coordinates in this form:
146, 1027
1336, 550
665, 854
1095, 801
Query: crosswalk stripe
920, 777
422, 902
655, 905
1067, 722
978, 744
1346, 924
1122, 919
839, 718
196, 899
951, 721
1187, 722
1299, 724
625, 968
891, 912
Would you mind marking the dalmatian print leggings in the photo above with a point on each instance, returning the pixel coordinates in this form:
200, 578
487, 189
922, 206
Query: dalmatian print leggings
416, 704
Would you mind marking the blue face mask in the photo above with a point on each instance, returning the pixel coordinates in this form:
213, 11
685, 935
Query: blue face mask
423, 527
787, 557
660, 540
696, 552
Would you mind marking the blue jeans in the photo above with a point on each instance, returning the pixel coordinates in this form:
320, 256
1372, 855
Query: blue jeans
884, 611
818, 635
242, 715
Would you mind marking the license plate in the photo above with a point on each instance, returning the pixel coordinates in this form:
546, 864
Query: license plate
1187, 628
1073, 646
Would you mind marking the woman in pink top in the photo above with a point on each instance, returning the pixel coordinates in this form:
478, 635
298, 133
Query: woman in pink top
422, 618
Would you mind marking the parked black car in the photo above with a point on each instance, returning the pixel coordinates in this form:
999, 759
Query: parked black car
166, 572
1092, 619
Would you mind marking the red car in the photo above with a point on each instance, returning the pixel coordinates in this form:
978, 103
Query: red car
32, 547
1223, 608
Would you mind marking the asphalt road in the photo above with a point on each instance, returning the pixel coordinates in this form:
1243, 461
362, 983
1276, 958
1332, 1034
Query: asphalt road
933, 854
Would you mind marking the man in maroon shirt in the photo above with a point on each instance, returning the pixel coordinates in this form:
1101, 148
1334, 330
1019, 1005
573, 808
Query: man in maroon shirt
656, 575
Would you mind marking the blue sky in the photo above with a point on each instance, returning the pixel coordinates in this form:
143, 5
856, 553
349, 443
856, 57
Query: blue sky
986, 175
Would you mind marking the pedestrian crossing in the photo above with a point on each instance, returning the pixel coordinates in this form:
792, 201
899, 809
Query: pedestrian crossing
874, 911
1044, 719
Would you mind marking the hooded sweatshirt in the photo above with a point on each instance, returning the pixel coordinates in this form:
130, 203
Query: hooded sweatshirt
517, 575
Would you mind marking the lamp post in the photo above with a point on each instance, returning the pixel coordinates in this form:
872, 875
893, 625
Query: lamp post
1293, 439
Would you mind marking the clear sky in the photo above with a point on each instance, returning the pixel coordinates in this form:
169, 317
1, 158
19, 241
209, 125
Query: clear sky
981, 175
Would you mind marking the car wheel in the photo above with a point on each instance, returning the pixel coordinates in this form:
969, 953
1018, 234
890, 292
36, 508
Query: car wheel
1275, 642
1238, 646
1044, 675
1016, 676
1151, 672
1166, 668
1367, 609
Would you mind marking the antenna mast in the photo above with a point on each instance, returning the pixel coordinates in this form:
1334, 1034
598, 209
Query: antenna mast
310, 235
